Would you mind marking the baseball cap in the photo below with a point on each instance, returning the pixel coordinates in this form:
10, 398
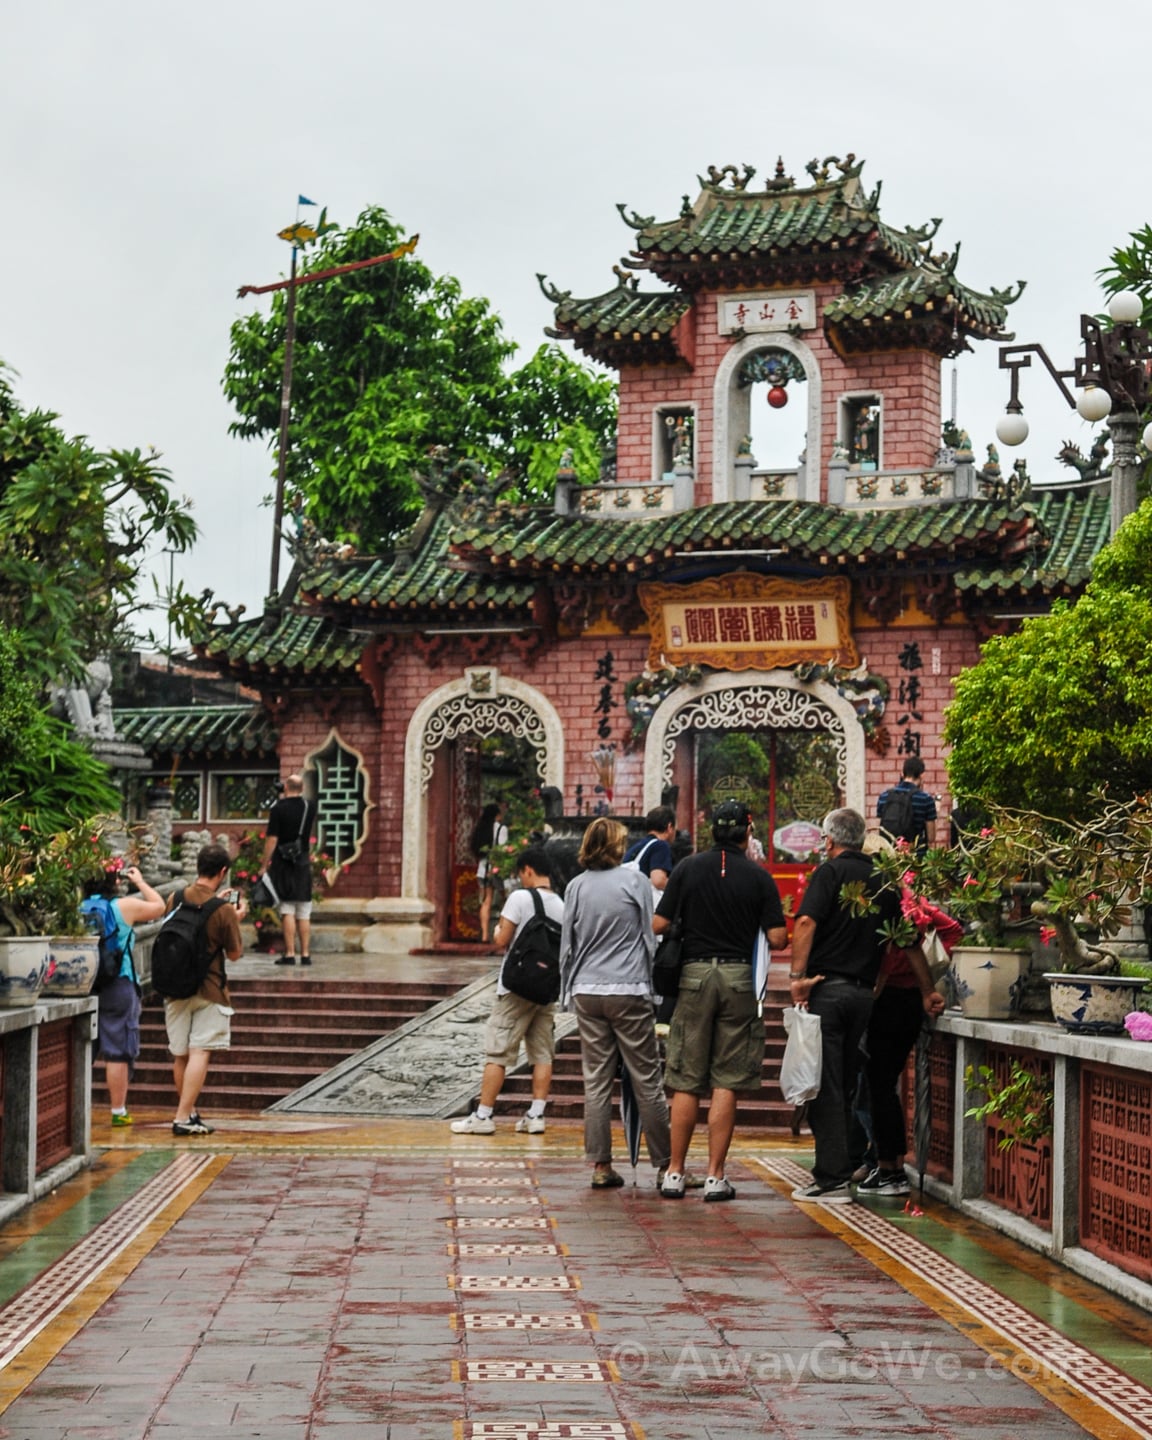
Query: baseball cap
730, 818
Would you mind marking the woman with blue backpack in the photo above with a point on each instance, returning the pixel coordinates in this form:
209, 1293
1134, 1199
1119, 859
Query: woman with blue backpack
117, 987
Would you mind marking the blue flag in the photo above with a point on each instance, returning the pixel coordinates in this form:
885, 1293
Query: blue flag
303, 200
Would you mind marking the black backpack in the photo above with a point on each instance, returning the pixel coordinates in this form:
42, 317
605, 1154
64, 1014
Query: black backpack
532, 965
898, 817
101, 921
181, 957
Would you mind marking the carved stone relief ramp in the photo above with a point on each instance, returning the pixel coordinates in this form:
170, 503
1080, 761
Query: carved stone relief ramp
428, 1067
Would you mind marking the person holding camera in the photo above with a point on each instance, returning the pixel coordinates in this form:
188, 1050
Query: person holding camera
287, 861
203, 1022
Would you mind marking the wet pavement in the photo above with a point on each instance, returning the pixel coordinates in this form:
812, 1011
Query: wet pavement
296, 1278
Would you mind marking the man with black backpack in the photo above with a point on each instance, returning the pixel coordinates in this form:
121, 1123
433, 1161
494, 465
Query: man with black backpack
907, 811
515, 1017
201, 931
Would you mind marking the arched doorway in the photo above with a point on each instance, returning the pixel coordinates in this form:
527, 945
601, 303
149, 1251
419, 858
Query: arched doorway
793, 750
447, 734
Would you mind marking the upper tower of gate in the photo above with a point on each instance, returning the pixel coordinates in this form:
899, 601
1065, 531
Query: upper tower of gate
793, 294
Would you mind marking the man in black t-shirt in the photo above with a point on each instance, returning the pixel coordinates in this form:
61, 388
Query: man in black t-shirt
716, 1042
836, 957
288, 859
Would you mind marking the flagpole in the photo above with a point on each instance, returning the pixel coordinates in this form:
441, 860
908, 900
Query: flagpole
285, 412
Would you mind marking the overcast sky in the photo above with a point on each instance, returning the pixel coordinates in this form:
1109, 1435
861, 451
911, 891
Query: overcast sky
152, 152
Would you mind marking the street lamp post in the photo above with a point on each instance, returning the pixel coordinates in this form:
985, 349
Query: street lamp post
1113, 378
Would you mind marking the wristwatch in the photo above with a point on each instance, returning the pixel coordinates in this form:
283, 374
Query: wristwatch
803, 976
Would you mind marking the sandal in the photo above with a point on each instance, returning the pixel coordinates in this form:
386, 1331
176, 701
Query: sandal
606, 1179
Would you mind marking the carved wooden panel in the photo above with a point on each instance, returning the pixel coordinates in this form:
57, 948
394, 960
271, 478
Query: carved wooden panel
53, 1095
1116, 1167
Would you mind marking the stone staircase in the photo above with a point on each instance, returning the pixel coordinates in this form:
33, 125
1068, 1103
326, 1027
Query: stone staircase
762, 1109
284, 1033
288, 1031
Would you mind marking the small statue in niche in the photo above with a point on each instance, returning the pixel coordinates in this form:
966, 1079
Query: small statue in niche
866, 437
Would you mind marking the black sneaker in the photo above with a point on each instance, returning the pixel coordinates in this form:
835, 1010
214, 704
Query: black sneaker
305, 960
285, 960
840, 1194
197, 1119
191, 1126
885, 1182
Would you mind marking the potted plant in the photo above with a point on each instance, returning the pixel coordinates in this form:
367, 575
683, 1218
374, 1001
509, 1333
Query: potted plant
1016, 1103
978, 883
40, 891
1072, 883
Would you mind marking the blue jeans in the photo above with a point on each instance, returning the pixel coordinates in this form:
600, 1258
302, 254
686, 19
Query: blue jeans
843, 1008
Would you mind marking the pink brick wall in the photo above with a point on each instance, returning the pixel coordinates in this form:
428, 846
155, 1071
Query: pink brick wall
907, 380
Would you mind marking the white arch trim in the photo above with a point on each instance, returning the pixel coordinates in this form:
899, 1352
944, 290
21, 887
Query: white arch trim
730, 420
480, 701
732, 697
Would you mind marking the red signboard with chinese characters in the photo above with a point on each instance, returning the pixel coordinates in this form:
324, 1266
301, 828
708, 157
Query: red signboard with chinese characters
747, 622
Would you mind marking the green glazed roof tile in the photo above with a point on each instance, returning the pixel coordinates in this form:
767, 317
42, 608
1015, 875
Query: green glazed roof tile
544, 542
201, 731
1076, 523
291, 642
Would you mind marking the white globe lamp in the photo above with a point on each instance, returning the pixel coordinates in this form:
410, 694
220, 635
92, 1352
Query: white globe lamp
1126, 307
1094, 404
1147, 436
1012, 429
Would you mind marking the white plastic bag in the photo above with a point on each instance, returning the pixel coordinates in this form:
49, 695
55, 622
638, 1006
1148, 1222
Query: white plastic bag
800, 1068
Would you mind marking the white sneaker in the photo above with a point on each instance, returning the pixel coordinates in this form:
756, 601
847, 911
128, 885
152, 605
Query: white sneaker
531, 1125
672, 1186
473, 1125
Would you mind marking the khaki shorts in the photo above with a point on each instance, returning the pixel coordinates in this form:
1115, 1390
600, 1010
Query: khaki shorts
301, 909
717, 1035
197, 1024
513, 1020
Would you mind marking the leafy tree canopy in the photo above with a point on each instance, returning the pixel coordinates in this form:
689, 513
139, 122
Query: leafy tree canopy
47, 780
391, 361
74, 525
1062, 710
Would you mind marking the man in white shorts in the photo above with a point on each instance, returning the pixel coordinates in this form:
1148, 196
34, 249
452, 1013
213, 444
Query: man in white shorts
203, 1022
515, 1019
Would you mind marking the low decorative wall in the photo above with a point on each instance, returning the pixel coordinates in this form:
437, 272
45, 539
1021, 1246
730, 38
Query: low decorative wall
45, 1097
1082, 1195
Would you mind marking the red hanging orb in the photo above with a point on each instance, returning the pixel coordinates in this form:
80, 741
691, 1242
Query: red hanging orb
777, 397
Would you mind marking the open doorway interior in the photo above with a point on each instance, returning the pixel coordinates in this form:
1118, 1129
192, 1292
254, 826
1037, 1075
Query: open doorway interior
788, 780
491, 769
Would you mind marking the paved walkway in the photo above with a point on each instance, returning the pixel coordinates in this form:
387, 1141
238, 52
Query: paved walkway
303, 1279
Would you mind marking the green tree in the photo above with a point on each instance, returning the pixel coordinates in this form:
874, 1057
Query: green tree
389, 362
47, 780
1062, 710
74, 525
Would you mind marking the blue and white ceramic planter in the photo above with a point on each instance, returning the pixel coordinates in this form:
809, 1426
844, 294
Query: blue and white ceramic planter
72, 964
1093, 1004
987, 984
23, 965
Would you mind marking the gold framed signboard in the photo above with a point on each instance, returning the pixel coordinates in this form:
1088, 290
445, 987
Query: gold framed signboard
749, 622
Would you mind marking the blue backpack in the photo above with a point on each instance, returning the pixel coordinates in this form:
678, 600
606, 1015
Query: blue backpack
101, 921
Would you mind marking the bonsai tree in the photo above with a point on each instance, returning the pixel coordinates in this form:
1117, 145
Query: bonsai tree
1025, 872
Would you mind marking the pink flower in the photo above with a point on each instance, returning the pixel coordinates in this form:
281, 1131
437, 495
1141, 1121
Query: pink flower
1047, 934
971, 880
987, 830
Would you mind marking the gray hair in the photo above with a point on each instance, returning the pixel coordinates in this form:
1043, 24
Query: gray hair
845, 828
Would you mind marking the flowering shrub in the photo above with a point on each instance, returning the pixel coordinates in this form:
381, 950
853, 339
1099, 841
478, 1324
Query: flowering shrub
1025, 873
41, 875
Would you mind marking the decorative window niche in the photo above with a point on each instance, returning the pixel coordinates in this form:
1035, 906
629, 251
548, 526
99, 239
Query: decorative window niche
673, 439
241, 795
342, 803
861, 430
